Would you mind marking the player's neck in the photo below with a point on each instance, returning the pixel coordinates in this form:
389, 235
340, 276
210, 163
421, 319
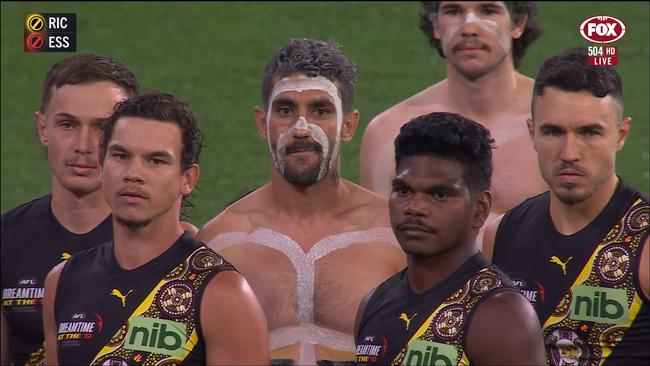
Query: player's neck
323, 197
425, 273
135, 247
79, 214
477, 98
568, 219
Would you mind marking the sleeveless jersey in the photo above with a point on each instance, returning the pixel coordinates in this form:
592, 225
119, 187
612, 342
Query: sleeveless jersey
106, 315
584, 286
33, 242
400, 327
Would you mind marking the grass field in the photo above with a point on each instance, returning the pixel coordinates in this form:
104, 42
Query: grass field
212, 56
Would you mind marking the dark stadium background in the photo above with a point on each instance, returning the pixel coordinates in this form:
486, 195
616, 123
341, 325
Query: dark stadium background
212, 55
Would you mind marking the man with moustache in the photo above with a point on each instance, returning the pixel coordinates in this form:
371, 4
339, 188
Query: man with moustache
446, 306
153, 295
310, 242
580, 252
483, 42
78, 94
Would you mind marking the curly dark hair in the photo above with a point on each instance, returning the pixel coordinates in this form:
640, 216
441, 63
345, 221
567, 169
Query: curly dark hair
86, 68
453, 137
167, 109
570, 71
312, 57
517, 9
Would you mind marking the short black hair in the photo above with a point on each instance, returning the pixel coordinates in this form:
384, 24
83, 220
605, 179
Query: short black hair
453, 137
312, 57
570, 71
517, 9
87, 68
164, 108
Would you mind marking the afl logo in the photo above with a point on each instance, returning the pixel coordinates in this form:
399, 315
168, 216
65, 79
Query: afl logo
27, 281
602, 29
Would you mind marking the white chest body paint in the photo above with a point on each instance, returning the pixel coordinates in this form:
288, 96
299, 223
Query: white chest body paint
306, 333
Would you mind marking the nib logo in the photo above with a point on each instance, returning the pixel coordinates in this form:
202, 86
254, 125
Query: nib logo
162, 336
602, 29
599, 304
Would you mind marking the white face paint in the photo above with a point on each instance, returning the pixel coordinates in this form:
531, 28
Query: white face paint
299, 84
504, 37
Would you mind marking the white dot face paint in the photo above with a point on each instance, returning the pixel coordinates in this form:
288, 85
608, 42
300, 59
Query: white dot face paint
490, 26
329, 154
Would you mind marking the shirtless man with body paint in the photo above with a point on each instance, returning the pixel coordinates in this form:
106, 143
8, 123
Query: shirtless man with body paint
310, 243
482, 42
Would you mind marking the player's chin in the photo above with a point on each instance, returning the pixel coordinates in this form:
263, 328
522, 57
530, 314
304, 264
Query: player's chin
417, 247
571, 194
82, 185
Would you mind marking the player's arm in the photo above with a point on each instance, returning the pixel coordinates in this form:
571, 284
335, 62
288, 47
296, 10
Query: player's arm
644, 268
233, 322
360, 311
505, 330
4, 341
49, 323
489, 237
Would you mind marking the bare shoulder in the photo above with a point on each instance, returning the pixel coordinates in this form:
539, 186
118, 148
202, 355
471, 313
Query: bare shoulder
233, 322
235, 218
525, 82
507, 304
506, 312
525, 87
226, 293
390, 120
226, 286
367, 207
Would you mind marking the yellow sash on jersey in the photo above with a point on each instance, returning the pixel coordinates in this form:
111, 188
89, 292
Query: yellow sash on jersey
606, 335
451, 316
148, 309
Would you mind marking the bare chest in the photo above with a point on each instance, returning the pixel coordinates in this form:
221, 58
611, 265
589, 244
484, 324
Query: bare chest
321, 286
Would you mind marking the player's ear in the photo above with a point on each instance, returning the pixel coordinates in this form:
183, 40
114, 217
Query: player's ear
519, 26
260, 121
623, 131
482, 210
350, 124
531, 127
435, 27
41, 127
190, 177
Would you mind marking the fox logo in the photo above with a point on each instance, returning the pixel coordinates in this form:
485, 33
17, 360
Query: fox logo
406, 319
559, 262
118, 294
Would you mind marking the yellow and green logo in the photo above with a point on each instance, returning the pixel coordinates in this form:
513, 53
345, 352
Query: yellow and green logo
424, 353
599, 304
162, 336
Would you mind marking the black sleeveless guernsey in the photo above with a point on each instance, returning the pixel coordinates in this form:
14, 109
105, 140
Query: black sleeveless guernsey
399, 327
584, 286
149, 315
33, 242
